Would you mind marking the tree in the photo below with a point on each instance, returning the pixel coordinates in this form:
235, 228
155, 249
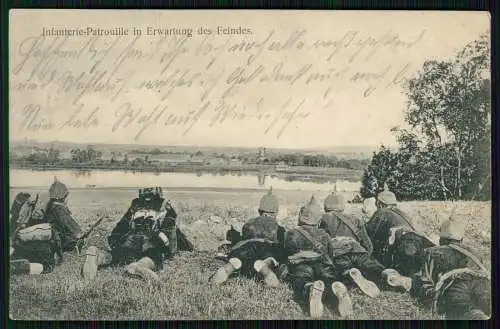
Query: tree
445, 150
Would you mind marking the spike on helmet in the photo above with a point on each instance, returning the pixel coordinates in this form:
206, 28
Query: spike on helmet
269, 202
310, 214
58, 190
387, 197
334, 201
452, 228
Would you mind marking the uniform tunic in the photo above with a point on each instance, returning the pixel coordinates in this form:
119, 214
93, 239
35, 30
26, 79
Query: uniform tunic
396, 243
129, 244
452, 283
261, 237
337, 223
67, 228
328, 260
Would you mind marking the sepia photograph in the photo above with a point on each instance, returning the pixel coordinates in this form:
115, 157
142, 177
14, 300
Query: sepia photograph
263, 165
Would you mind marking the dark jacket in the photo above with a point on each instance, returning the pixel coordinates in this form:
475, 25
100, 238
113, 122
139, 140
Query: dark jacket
337, 223
127, 239
379, 226
438, 261
261, 227
295, 242
67, 228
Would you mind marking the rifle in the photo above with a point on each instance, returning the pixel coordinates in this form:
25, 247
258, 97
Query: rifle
81, 239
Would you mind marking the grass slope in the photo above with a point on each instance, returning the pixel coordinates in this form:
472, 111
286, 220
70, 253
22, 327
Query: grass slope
185, 292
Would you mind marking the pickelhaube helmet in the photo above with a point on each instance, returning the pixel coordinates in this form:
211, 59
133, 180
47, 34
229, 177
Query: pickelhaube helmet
58, 190
149, 192
334, 201
387, 197
310, 214
452, 228
269, 202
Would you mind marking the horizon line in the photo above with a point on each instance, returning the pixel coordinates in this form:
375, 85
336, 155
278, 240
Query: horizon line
205, 146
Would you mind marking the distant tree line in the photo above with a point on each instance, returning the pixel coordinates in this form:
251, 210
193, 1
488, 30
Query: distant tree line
90, 156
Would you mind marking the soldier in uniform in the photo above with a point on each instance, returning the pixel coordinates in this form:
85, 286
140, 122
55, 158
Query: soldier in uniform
258, 248
59, 216
396, 243
20, 213
452, 280
65, 232
337, 223
309, 268
316, 258
141, 240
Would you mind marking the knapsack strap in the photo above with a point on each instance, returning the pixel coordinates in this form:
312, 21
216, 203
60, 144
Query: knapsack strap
348, 223
402, 215
318, 246
468, 254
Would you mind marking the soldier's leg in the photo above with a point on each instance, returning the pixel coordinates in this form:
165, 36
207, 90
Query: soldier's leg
267, 265
376, 271
266, 268
94, 258
225, 271
302, 280
339, 290
348, 266
23, 266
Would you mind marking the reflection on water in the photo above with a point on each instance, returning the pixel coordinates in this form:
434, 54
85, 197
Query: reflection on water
102, 178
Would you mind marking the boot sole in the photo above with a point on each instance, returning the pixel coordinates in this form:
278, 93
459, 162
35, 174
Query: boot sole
142, 273
89, 269
398, 282
368, 287
315, 302
345, 302
220, 276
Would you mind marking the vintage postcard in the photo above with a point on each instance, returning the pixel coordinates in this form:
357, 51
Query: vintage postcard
216, 164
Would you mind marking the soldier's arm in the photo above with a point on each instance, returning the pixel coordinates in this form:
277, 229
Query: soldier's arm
373, 224
290, 243
65, 219
366, 242
169, 228
233, 235
424, 281
120, 229
169, 207
246, 231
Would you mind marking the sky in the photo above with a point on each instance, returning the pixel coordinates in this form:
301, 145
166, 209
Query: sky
284, 79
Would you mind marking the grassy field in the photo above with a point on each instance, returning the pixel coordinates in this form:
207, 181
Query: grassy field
185, 292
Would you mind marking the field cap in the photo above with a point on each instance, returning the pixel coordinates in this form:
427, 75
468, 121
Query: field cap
387, 197
452, 228
269, 202
58, 190
310, 214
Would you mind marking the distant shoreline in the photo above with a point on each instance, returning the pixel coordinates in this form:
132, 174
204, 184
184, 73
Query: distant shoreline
346, 174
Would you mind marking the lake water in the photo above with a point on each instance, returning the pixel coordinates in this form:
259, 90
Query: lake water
121, 179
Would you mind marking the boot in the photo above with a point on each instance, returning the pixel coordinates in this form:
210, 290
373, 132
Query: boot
394, 279
264, 267
136, 270
366, 286
345, 302
89, 268
23, 266
223, 273
315, 298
